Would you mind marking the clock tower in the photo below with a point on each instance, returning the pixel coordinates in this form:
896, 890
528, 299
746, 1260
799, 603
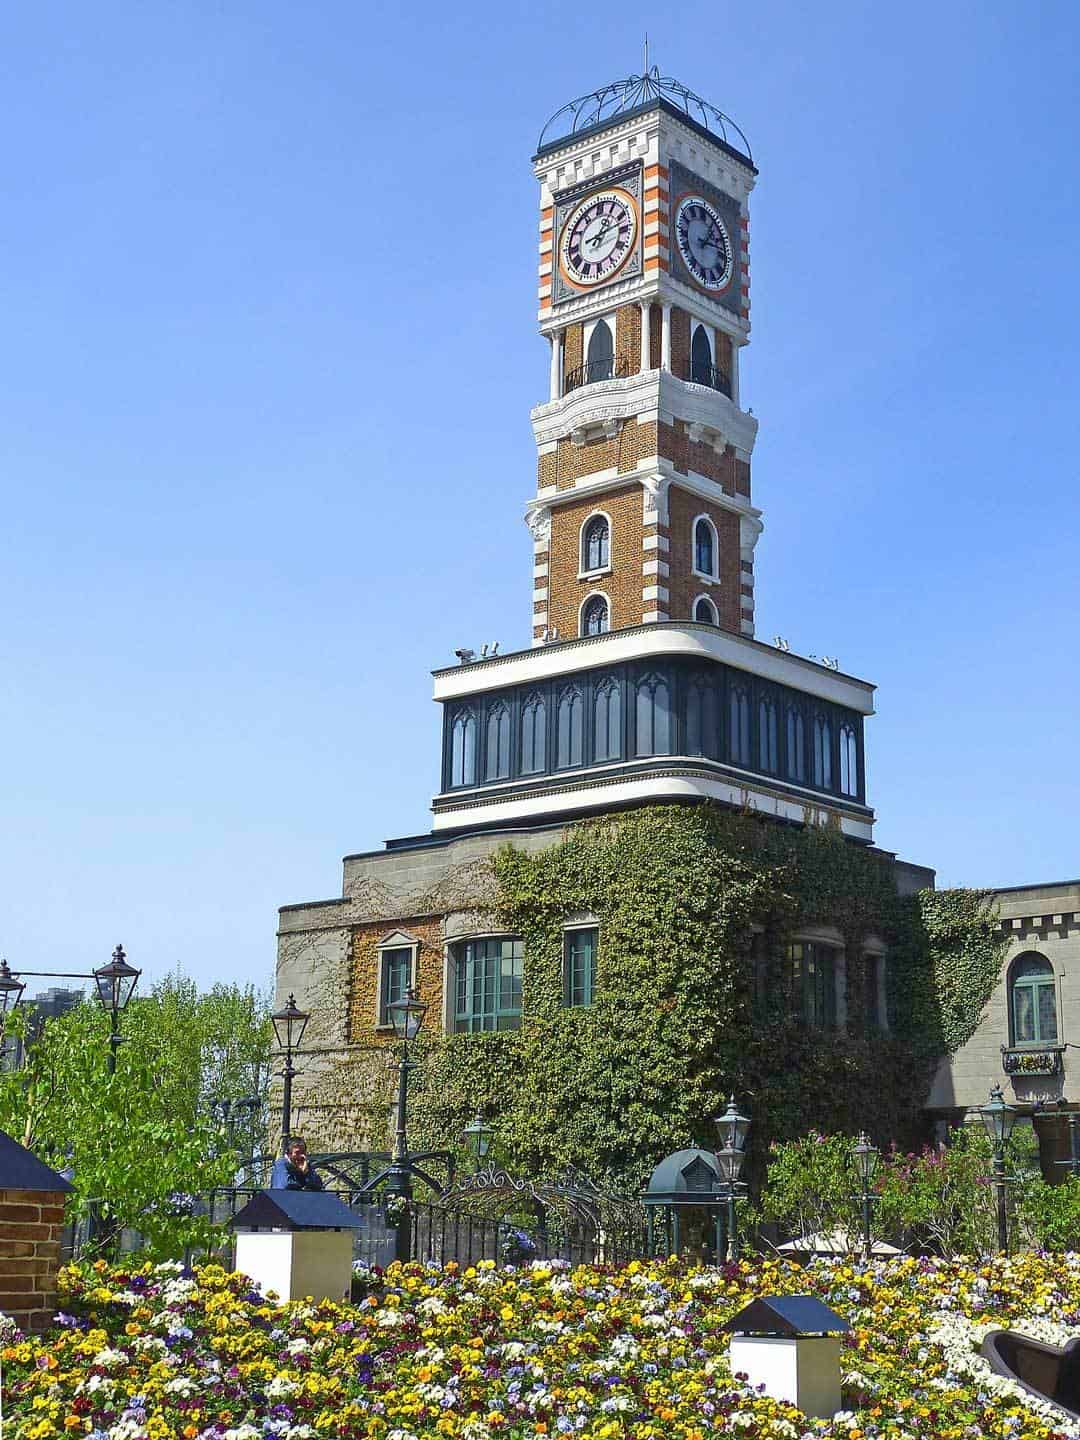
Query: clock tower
643, 511
643, 681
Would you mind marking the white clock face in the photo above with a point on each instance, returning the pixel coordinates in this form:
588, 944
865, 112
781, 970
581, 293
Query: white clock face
598, 237
704, 243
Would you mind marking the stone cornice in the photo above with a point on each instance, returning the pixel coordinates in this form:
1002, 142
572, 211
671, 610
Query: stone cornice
683, 637
649, 395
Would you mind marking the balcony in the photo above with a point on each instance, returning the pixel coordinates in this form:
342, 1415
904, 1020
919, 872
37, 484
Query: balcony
1031, 1060
610, 368
712, 376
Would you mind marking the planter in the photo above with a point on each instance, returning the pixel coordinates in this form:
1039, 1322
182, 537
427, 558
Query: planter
1031, 1062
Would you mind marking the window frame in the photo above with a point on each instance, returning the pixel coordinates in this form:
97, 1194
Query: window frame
817, 990
398, 941
587, 600
569, 932
1044, 979
712, 575
585, 570
458, 1022
588, 330
707, 600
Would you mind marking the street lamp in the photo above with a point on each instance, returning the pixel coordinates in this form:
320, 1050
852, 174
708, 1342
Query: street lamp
407, 1016
11, 991
999, 1118
289, 1024
115, 984
733, 1129
478, 1137
866, 1159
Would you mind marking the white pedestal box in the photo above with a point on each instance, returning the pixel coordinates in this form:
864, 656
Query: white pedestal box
789, 1345
298, 1243
804, 1371
298, 1263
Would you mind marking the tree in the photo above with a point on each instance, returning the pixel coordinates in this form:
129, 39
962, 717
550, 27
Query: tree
140, 1141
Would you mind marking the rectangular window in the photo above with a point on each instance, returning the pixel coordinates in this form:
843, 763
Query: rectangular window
812, 980
395, 980
580, 965
871, 991
488, 983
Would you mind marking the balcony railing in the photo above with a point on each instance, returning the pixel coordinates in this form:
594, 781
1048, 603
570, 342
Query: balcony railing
713, 377
616, 368
1032, 1060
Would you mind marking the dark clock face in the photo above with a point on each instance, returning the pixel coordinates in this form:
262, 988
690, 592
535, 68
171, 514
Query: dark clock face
704, 243
598, 237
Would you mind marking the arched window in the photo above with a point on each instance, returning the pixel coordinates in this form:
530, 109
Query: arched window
767, 736
701, 361
595, 544
796, 744
822, 752
463, 749
533, 734
653, 716
705, 611
497, 759
700, 738
849, 760
705, 547
607, 717
600, 361
568, 724
594, 616
1032, 1001
739, 725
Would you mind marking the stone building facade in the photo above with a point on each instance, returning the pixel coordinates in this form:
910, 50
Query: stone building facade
1031, 1025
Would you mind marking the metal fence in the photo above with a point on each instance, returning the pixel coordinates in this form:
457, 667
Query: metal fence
442, 1233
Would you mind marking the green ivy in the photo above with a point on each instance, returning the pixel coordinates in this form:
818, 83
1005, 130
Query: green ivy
684, 897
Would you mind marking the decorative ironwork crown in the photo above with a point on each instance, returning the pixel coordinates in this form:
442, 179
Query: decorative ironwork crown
636, 91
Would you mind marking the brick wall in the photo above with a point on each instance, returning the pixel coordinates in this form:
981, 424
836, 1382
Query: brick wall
683, 585
680, 343
674, 444
572, 343
620, 453
622, 586
656, 320
628, 336
364, 988
30, 1222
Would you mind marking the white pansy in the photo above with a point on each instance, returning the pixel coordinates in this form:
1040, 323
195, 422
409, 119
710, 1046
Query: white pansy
280, 1387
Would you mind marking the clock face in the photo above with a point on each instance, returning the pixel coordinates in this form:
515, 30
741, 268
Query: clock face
598, 237
704, 243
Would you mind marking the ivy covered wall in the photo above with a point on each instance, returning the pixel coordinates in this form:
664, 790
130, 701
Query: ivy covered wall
679, 895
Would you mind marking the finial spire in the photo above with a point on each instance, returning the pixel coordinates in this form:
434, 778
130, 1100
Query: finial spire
646, 70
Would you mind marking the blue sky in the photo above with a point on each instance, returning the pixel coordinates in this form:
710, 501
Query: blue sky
267, 352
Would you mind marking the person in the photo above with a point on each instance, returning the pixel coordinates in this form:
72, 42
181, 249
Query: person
294, 1171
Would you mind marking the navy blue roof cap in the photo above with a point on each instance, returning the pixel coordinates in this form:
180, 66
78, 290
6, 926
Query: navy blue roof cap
786, 1315
296, 1210
20, 1170
636, 93
685, 1178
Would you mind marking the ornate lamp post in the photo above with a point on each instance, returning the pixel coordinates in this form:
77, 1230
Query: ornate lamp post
289, 1024
11, 991
733, 1129
407, 1016
478, 1137
866, 1159
115, 984
999, 1118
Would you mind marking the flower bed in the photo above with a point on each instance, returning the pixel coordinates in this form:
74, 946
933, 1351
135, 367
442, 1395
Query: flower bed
538, 1351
